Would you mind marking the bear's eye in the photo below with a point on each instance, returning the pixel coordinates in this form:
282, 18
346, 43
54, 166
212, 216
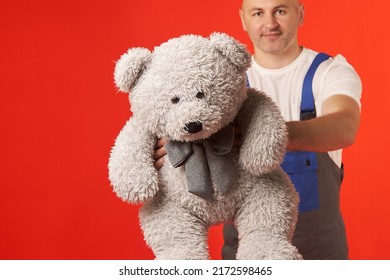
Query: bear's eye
200, 94
175, 100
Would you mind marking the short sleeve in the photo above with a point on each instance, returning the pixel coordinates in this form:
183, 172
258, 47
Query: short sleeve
339, 77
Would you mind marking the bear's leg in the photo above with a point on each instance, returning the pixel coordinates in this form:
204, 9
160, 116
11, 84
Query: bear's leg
266, 222
173, 233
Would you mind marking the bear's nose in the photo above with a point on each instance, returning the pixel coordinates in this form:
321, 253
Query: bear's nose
193, 127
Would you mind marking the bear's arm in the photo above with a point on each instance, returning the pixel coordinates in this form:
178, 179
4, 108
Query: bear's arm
131, 170
264, 134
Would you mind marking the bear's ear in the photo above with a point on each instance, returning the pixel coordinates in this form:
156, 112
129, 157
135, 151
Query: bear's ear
130, 67
233, 50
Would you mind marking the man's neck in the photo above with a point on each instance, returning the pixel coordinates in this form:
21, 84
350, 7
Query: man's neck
276, 60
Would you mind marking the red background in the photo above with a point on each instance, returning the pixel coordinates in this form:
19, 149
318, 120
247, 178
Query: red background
60, 115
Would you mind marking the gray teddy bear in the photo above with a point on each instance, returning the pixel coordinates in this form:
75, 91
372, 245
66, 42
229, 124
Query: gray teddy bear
192, 91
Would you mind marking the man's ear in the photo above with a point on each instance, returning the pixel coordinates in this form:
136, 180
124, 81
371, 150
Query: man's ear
301, 12
241, 14
129, 68
231, 49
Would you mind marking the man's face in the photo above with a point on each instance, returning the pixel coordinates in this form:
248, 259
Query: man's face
272, 25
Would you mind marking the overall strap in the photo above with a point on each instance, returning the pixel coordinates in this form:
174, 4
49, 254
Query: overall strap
308, 109
247, 81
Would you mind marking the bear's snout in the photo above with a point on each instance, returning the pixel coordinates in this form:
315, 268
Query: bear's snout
193, 127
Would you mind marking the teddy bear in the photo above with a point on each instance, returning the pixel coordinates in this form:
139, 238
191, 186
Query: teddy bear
191, 90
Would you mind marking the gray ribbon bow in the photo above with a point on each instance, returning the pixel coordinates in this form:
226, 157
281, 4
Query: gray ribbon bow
206, 162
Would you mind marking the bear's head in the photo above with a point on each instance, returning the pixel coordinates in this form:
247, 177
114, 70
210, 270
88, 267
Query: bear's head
188, 88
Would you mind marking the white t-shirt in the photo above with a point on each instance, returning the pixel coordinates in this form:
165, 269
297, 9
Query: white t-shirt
284, 85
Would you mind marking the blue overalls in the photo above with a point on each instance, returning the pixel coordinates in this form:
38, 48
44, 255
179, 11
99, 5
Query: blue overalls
320, 231
302, 166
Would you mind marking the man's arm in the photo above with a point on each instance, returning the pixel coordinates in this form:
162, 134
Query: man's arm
335, 129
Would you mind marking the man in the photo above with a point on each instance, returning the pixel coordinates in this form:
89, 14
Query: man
317, 135
317, 132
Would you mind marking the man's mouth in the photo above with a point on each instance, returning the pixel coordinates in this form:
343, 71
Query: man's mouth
272, 35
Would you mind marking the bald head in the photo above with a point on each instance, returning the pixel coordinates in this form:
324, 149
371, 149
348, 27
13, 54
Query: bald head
295, 3
248, 5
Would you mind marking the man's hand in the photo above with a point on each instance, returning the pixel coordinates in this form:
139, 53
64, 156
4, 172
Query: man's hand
159, 153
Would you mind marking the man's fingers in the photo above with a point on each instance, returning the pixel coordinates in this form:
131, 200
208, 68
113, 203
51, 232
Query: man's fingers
159, 163
159, 152
160, 143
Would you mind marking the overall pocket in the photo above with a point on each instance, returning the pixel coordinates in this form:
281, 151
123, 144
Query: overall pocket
302, 170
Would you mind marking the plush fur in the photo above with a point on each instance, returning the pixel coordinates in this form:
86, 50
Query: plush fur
164, 86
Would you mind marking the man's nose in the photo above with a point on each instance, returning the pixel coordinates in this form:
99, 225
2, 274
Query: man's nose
270, 21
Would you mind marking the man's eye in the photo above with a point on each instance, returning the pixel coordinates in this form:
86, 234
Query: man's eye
258, 14
280, 12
